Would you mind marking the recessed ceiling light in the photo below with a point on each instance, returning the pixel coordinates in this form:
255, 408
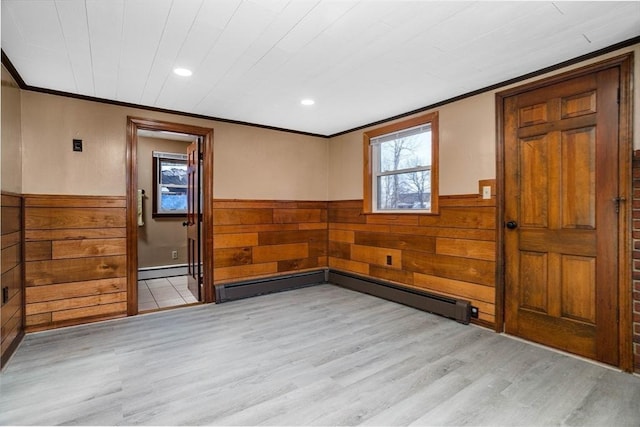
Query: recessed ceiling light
182, 72
307, 102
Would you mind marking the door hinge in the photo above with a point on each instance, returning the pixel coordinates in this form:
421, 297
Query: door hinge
616, 201
618, 96
201, 156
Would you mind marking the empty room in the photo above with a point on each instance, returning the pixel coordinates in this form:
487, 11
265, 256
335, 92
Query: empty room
320, 212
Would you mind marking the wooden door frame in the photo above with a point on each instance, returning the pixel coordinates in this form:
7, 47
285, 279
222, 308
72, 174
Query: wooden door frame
133, 125
625, 288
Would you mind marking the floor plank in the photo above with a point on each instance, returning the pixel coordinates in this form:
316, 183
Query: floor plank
321, 355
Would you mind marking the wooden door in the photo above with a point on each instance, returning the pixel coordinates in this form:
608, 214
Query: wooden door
193, 223
561, 203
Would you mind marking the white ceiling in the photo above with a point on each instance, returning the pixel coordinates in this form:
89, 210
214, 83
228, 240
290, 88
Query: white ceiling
254, 60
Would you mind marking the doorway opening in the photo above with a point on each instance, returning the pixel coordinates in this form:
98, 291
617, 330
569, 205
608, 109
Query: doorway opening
162, 213
170, 174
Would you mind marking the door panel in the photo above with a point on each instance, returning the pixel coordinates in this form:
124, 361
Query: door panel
578, 177
579, 105
193, 223
561, 174
579, 288
534, 272
534, 167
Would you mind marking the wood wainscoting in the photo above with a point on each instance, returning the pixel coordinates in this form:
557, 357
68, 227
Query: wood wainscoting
75, 250
75, 259
259, 238
12, 312
452, 253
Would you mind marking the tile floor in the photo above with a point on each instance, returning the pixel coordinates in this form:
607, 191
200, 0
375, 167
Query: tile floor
164, 292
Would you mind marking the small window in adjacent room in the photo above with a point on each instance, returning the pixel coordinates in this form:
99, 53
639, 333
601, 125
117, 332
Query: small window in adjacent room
401, 166
170, 184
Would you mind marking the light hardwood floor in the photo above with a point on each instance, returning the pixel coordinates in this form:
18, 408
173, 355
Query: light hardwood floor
321, 355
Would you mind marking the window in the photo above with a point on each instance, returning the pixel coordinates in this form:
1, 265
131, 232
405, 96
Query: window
401, 166
170, 184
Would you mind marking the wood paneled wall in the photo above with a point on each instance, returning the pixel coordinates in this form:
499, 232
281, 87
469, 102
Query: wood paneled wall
452, 253
75, 259
266, 238
11, 312
75, 250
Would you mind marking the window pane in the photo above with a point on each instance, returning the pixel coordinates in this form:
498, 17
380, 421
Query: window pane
401, 160
405, 153
173, 199
173, 172
405, 191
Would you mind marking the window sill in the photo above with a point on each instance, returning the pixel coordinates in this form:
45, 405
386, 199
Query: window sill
401, 213
169, 215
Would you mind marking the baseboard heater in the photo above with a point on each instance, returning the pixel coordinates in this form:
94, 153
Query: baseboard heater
251, 288
162, 271
459, 310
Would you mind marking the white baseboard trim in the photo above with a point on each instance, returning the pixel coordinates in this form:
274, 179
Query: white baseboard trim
162, 271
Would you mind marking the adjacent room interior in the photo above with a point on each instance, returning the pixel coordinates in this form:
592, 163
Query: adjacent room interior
162, 242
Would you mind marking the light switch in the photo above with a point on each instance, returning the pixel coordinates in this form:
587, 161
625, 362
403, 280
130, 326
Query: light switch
486, 192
